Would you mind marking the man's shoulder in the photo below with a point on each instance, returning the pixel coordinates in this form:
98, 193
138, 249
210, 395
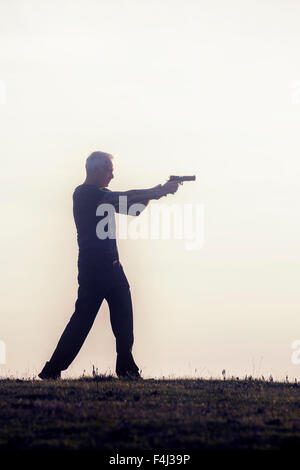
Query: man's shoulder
89, 187
85, 187
88, 191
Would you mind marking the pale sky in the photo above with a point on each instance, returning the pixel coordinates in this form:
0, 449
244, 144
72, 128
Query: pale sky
210, 88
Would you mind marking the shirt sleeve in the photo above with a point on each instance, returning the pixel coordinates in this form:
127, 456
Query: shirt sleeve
135, 196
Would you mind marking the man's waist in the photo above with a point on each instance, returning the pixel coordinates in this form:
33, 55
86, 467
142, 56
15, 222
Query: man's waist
96, 254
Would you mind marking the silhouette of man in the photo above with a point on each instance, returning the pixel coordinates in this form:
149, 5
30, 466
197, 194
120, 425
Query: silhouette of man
100, 273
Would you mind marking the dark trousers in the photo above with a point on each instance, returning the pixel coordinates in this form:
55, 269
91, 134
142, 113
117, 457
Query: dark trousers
98, 280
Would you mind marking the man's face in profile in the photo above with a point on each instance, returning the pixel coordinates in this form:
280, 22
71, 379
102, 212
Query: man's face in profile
108, 174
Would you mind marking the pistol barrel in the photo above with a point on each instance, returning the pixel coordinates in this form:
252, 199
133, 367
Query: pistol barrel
182, 178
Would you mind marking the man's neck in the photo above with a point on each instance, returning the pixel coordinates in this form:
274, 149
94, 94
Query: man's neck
90, 180
94, 184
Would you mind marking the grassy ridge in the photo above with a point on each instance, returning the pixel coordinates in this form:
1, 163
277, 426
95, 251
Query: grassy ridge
109, 414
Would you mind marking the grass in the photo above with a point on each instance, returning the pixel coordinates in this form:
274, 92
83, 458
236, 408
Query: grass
104, 413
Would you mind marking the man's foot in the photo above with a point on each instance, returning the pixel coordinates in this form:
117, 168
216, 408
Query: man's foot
130, 376
48, 373
126, 368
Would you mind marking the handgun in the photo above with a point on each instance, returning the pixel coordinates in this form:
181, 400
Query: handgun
181, 179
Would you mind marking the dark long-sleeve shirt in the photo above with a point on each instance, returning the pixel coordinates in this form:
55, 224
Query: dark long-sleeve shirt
86, 199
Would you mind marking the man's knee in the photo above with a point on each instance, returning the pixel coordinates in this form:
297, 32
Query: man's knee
86, 309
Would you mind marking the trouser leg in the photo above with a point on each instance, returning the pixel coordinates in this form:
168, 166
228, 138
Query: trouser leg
121, 317
86, 308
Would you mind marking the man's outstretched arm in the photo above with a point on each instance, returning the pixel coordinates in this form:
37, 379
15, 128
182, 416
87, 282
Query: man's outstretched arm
137, 196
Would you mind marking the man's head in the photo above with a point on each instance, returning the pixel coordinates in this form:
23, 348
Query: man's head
99, 169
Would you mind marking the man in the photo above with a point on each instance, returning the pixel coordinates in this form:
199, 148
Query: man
100, 274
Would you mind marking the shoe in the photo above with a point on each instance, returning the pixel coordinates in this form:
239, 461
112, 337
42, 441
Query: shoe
126, 368
130, 375
49, 374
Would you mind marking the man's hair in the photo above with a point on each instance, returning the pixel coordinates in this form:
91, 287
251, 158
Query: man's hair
97, 160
